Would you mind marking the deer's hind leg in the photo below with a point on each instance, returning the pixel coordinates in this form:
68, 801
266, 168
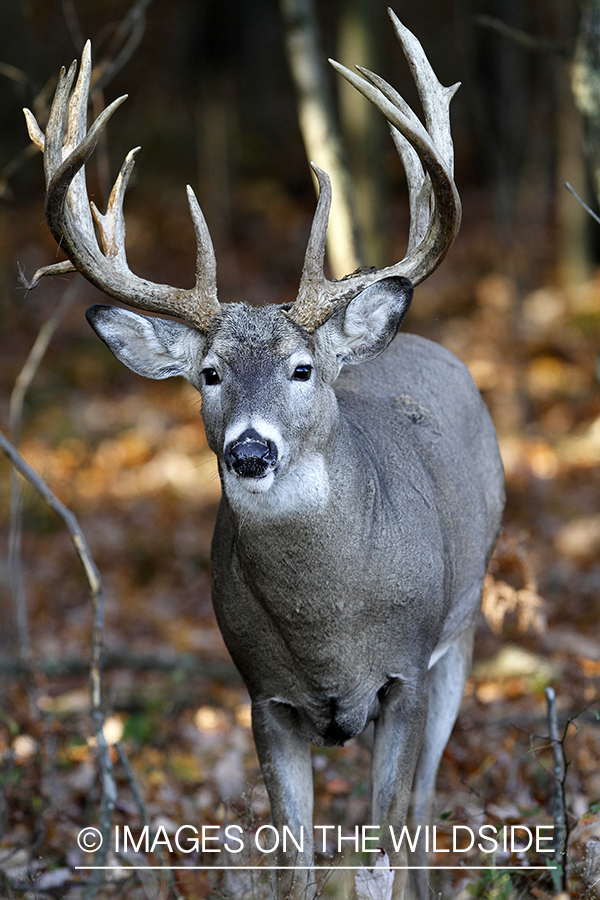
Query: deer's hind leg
446, 685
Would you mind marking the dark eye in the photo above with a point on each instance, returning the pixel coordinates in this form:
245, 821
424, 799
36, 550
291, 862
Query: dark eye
302, 373
384, 691
211, 376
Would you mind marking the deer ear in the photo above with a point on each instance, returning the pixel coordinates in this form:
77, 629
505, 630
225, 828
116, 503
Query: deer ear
365, 326
154, 348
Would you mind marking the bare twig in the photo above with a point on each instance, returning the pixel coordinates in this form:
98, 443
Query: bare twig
12, 166
32, 363
75, 665
126, 40
530, 41
145, 819
6, 780
13, 73
72, 22
139, 802
560, 768
60, 509
15, 566
583, 203
143, 813
17, 400
109, 790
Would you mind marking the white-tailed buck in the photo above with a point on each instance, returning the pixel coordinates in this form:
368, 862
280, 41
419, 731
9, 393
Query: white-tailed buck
362, 489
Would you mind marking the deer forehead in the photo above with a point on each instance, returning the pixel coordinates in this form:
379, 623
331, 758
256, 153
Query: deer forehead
243, 333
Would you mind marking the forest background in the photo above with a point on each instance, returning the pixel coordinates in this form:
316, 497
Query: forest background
212, 103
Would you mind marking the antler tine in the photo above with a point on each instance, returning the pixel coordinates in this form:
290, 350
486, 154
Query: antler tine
53, 141
445, 219
206, 263
77, 198
435, 98
312, 279
69, 212
427, 155
419, 184
35, 132
111, 225
419, 190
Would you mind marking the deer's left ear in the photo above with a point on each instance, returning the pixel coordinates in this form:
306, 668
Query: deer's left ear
365, 326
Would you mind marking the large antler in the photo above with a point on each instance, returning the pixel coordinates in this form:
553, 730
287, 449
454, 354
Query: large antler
69, 211
428, 158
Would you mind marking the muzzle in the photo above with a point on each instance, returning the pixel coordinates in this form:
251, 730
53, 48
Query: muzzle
250, 455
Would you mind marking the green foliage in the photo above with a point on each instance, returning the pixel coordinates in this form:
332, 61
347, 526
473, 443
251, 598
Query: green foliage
11, 724
12, 778
492, 887
140, 727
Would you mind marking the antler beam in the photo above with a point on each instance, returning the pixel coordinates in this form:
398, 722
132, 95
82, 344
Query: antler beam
69, 211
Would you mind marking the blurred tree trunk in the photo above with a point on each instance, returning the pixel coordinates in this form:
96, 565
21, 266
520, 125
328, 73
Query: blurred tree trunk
574, 252
319, 128
585, 81
214, 133
362, 126
574, 262
530, 130
502, 83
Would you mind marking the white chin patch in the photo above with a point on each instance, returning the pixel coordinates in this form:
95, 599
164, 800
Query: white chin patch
304, 487
255, 485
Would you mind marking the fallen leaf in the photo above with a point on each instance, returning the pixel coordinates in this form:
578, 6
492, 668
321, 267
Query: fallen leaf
375, 884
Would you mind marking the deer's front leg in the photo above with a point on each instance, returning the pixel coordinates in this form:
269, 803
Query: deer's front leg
399, 732
285, 762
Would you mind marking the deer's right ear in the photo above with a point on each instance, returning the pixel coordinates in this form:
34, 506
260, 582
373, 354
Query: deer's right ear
154, 348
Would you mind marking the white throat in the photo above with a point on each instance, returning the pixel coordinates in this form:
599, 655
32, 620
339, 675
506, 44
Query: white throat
302, 489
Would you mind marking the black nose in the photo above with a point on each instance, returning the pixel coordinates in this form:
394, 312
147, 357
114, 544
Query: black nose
250, 455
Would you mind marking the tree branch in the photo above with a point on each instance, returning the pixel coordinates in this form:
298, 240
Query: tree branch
109, 789
17, 401
530, 41
560, 821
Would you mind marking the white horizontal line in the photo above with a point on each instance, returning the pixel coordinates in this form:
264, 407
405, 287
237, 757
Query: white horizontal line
329, 868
